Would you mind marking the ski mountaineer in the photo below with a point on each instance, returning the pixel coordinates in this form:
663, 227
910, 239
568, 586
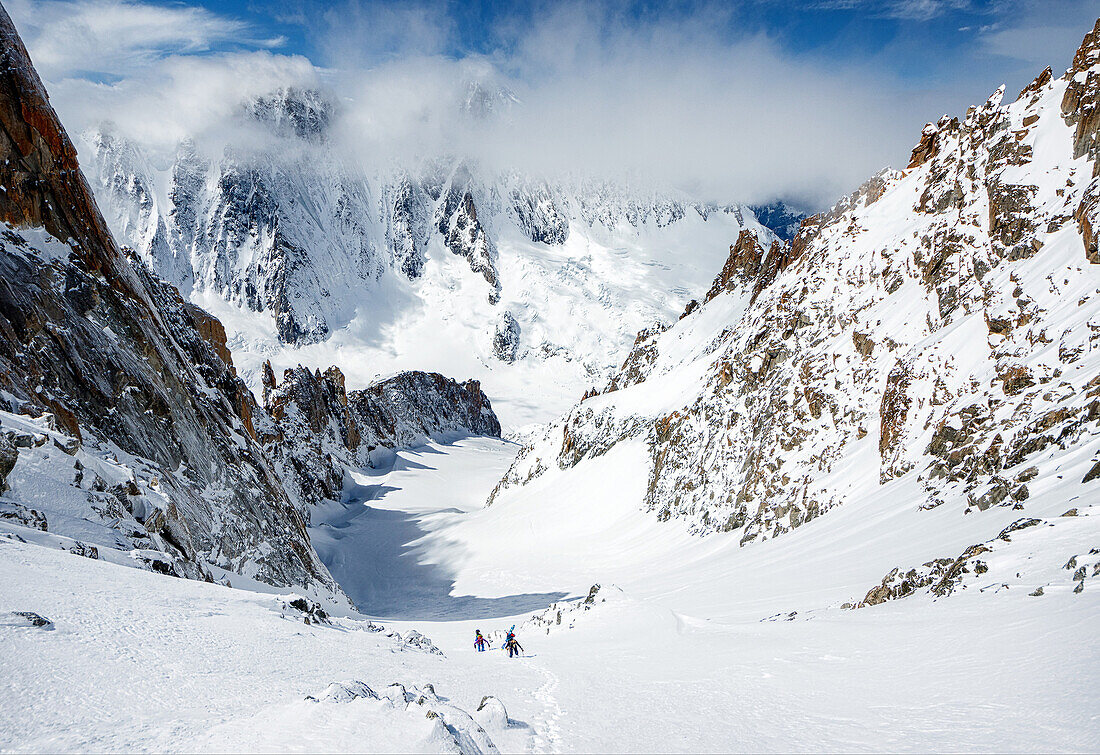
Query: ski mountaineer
510, 644
480, 642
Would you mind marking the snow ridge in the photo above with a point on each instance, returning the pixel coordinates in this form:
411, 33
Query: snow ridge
937, 327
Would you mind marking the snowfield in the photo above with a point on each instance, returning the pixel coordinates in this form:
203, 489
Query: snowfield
687, 646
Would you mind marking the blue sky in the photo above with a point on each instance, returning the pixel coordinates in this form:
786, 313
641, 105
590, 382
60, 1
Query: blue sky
749, 100
923, 41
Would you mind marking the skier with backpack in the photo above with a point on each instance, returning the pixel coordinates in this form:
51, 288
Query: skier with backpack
510, 644
480, 643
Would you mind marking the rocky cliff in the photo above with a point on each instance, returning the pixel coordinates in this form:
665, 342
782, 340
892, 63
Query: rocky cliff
125, 368
937, 330
318, 429
123, 423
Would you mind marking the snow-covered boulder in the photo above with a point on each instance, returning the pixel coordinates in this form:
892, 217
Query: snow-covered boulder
22, 515
491, 714
344, 692
26, 619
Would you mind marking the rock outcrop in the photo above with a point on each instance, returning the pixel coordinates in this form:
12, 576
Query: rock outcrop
457, 221
318, 429
506, 338
744, 263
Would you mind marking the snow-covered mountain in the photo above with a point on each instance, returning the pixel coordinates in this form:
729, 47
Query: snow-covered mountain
898, 411
532, 287
935, 332
123, 425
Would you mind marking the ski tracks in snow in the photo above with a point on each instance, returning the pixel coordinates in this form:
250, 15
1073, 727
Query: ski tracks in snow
547, 736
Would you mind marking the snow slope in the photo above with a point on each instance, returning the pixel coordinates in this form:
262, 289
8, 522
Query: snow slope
677, 655
133, 663
369, 539
937, 326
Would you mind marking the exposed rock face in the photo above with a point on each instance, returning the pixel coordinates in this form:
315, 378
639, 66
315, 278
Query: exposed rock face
506, 338
318, 429
457, 221
9, 454
938, 324
1081, 108
409, 227
410, 406
1087, 216
640, 360
43, 185
926, 148
313, 436
745, 260
539, 212
304, 113
1081, 101
114, 355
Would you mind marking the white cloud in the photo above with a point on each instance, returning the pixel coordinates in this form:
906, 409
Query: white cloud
665, 101
670, 100
360, 33
1039, 32
179, 97
115, 37
910, 10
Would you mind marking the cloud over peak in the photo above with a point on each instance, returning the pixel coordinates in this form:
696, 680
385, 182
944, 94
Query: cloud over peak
698, 97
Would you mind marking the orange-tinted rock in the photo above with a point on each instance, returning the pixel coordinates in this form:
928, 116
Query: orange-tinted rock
1038, 83
1087, 216
213, 332
741, 266
43, 185
1081, 102
927, 147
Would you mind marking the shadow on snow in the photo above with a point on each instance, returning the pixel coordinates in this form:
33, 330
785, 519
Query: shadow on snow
371, 553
